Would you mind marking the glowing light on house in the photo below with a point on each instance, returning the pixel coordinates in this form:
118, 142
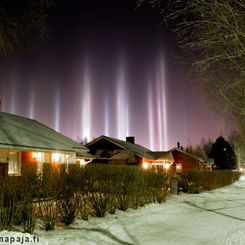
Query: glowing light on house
37, 156
178, 167
86, 105
166, 166
56, 157
122, 109
145, 165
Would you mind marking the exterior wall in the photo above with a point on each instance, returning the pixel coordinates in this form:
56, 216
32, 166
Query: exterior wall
10, 162
187, 161
118, 162
21, 161
36, 160
3, 162
139, 160
3, 169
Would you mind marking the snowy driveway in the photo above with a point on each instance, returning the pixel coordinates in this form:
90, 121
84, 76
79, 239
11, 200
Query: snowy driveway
215, 217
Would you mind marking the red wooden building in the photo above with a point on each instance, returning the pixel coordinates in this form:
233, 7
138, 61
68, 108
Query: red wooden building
109, 150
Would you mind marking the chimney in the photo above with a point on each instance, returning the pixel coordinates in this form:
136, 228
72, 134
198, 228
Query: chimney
130, 139
178, 145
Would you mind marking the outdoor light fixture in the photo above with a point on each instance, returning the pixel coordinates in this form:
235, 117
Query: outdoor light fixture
145, 165
178, 167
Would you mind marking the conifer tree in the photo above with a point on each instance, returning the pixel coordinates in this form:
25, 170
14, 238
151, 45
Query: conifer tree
223, 154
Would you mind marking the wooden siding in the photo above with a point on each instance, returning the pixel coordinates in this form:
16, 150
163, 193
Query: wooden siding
187, 161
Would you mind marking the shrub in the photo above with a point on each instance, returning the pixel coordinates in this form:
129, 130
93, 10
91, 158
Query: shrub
128, 187
70, 197
195, 181
46, 201
10, 203
123, 187
99, 186
190, 181
29, 191
219, 178
156, 185
48, 213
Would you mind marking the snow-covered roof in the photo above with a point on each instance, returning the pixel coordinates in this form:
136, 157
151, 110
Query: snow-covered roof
136, 148
21, 132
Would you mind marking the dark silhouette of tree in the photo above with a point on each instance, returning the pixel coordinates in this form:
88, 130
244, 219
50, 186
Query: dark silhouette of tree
223, 154
22, 25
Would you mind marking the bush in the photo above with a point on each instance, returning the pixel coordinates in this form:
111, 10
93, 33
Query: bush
94, 189
123, 187
190, 181
99, 186
29, 191
193, 181
156, 185
128, 187
47, 201
70, 196
10, 203
16, 198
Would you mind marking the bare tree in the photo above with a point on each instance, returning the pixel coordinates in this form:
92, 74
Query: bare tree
211, 35
201, 150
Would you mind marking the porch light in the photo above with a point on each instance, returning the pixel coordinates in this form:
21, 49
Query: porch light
166, 166
145, 165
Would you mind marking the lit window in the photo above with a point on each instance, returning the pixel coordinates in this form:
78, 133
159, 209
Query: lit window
56, 157
178, 167
37, 156
14, 167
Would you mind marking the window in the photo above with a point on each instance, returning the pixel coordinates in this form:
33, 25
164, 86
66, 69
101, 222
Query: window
57, 158
178, 167
39, 158
14, 166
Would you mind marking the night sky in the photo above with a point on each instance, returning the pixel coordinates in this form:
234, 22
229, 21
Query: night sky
108, 68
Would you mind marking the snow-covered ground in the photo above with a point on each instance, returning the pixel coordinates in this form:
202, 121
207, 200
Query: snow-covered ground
215, 217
